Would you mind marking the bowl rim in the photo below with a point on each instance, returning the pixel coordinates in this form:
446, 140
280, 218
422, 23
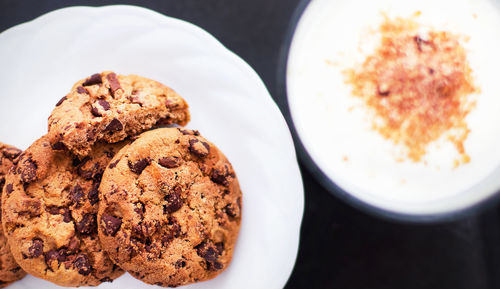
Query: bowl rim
330, 184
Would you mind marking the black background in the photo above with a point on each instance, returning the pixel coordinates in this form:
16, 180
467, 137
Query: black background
341, 247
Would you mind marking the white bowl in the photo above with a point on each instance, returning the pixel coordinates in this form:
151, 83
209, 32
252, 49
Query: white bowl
349, 157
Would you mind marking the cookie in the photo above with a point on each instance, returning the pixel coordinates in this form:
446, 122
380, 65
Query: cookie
49, 214
9, 269
170, 208
110, 107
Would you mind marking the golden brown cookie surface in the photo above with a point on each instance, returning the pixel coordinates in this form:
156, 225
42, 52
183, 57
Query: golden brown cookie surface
49, 210
170, 208
9, 269
111, 107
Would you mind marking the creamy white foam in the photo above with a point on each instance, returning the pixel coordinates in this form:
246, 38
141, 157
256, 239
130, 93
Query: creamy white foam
335, 127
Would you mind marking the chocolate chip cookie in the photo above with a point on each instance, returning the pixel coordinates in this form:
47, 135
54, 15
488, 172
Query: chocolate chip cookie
170, 208
49, 214
110, 107
9, 269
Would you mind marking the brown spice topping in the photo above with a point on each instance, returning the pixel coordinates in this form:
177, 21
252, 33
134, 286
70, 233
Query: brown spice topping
419, 87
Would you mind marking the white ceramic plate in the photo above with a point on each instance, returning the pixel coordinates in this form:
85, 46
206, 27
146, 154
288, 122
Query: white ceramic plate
229, 104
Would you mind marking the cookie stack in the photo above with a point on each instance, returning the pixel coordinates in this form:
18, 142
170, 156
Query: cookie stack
108, 189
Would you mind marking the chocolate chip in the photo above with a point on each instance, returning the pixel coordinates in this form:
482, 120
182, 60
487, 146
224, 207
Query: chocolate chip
139, 165
180, 264
9, 188
221, 176
30, 207
215, 266
76, 194
93, 194
28, 171
231, 211
113, 164
139, 233
53, 210
82, 264
94, 79
82, 90
105, 105
11, 153
136, 99
165, 121
61, 101
114, 84
114, 125
199, 148
66, 215
111, 225
208, 251
174, 200
87, 225
189, 132
53, 255
73, 246
58, 146
36, 248
100, 103
169, 162
95, 111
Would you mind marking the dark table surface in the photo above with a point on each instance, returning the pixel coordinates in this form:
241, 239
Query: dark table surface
341, 247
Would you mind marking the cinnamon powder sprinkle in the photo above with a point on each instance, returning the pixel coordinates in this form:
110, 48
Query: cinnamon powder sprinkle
419, 87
